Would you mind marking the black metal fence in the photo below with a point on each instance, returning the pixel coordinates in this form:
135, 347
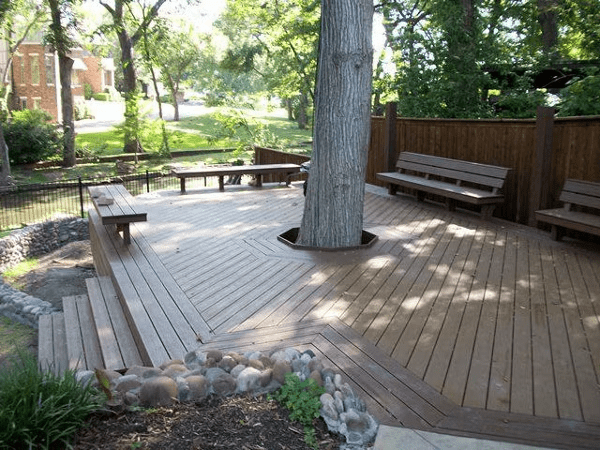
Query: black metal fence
26, 204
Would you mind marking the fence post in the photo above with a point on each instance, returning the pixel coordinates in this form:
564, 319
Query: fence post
390, 140
541, 173
147, 181
81, 197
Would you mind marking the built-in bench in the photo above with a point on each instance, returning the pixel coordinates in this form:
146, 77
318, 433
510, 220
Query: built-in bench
456, 180
575, 195
116, 206
257, 170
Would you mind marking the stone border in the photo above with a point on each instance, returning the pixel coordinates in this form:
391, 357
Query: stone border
34, 240
212, 372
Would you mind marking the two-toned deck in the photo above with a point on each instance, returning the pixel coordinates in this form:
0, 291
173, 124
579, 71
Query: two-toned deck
447, 323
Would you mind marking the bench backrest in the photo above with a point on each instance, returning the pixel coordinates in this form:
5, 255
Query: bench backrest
480, 174
584, 193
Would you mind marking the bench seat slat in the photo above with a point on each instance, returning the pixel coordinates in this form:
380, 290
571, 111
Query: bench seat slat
574, 220
121, 212
466, 194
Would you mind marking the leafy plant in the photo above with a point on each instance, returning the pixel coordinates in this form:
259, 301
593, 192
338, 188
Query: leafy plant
39, 409
301, 398
245, 132
31, 137
581, 97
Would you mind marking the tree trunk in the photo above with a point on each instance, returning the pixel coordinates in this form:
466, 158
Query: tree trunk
547, 17
132, 145
65, 65
302, 116
5, 173
333, 210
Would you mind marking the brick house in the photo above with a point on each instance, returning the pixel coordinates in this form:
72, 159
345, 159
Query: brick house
36, 82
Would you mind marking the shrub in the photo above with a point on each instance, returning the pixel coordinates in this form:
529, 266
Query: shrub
101, 96
31, 137
581, 97
39, 409
87, 91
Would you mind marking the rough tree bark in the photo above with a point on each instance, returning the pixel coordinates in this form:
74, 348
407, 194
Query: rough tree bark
65, 69
333, 210
61, 43
5, 172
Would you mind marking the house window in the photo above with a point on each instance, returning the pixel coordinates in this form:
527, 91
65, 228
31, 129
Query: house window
49, 66
108, 78
23, 102
37, 103
35, 69
22, 61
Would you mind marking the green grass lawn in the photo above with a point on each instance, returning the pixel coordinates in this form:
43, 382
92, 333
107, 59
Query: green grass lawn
205, 131
190, 133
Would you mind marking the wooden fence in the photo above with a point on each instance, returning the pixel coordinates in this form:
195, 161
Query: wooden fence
541, 152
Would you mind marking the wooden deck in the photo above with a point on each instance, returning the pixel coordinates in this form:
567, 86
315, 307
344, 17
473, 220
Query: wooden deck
448, 323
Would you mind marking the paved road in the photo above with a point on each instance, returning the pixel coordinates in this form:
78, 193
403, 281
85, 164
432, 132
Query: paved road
108, 114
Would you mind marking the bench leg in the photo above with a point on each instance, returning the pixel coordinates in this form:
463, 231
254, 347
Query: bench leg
182, 184
258, 180
486, 211
124, 228
221, 183
450, 204
392, 189
557, 233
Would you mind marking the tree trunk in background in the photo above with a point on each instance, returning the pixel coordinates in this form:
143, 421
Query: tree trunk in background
333, 210
65, 65
302, 115
5, 173
547, 17
132, 144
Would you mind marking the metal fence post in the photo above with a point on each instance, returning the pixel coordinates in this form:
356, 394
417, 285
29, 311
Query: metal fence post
147, 181
81, 196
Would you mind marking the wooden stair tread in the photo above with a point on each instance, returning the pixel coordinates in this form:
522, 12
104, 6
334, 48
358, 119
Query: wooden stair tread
118, 346
52, 346
82, 344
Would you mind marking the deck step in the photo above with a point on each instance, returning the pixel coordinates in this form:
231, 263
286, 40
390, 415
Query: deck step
52, 344
117, 344
83, 346
90, 333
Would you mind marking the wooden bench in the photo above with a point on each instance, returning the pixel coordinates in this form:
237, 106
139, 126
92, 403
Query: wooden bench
575, 194
456, 180
115, 205
257, 170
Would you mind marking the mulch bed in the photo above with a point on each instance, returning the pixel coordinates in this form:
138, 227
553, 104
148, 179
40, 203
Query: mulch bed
240, 423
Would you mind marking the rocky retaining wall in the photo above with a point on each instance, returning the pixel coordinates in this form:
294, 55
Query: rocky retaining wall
34, 240
41, 238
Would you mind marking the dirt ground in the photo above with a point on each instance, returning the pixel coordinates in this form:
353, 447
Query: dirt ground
60, 274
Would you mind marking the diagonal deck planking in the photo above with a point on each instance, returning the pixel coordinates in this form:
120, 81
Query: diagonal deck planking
498, 325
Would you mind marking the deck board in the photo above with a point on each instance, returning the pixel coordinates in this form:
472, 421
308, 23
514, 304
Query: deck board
488, 321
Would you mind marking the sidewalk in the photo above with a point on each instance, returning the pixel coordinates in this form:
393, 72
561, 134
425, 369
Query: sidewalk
392, 438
